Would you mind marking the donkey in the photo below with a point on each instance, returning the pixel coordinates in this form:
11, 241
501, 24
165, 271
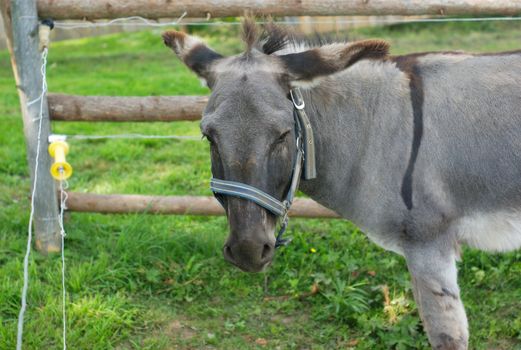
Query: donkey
422, 151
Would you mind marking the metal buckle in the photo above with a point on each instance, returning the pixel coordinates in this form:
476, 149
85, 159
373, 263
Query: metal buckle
285, 217
299, 143
279, 241
297, 106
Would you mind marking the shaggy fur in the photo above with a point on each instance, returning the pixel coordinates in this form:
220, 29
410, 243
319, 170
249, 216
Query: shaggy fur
273, 39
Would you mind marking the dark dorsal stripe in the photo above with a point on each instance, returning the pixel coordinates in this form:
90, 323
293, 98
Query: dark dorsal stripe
409, 65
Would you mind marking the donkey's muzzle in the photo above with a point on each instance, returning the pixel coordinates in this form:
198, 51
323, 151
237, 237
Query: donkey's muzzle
249, 255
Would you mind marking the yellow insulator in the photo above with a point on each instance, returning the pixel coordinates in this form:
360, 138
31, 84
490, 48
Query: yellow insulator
60, 169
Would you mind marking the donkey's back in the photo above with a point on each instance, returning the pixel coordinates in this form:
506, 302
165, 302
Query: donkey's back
471, 146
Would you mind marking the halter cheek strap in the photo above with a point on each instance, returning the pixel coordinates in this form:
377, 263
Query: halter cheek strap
305, 156
304, 125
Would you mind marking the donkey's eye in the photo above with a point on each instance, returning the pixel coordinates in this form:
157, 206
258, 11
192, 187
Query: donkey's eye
282, 138
209, 138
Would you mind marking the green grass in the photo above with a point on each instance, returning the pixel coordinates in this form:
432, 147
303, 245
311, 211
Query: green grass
159, 282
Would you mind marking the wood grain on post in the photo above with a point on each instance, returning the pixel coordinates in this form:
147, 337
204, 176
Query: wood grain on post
126, 109
98, 9
178, 205
21, 27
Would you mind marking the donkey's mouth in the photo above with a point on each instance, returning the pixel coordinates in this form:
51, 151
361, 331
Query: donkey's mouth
251, 269
248, 263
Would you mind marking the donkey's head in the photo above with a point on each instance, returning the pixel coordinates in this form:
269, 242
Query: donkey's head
249, 120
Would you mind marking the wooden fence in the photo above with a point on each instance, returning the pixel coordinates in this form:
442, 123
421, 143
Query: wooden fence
21, 25
96, 9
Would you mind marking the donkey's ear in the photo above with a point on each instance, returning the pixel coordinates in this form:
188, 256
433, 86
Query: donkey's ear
305, 66
193, 52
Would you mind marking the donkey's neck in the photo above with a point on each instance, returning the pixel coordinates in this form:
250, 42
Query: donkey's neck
356, 116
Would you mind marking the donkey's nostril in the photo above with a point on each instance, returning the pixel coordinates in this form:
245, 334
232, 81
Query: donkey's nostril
266, 251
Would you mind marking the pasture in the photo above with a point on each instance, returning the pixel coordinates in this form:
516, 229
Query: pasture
160, 282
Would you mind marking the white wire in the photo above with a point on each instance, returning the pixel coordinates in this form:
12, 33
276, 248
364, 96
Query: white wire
124, 21
132, 136
36, 99
143, 22
379, 20
63, 199
23, 307
63, 205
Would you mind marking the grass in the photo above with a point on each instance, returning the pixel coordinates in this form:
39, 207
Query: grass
159, 282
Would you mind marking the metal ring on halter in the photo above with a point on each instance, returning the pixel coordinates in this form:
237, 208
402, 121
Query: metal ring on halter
296, 97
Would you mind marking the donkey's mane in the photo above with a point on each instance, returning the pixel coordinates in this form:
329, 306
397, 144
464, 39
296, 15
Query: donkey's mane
273, 39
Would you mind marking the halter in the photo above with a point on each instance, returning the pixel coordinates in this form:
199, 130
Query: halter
304, 163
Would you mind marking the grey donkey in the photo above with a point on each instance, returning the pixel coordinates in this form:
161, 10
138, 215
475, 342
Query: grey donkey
422, 151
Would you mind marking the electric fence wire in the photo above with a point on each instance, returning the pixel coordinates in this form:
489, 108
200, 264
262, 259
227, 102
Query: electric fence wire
133, 136
64, 185
139, 21
21, 314
63, 200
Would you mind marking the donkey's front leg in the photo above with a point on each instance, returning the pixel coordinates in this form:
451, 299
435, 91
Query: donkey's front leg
432, 265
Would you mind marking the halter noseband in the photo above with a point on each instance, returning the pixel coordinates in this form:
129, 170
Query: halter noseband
304, 158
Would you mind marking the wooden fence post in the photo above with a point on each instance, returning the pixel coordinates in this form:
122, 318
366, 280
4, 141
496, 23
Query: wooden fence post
21, 27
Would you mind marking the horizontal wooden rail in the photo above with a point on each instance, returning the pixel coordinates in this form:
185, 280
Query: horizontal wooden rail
125, 109
180, 205
97, 9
